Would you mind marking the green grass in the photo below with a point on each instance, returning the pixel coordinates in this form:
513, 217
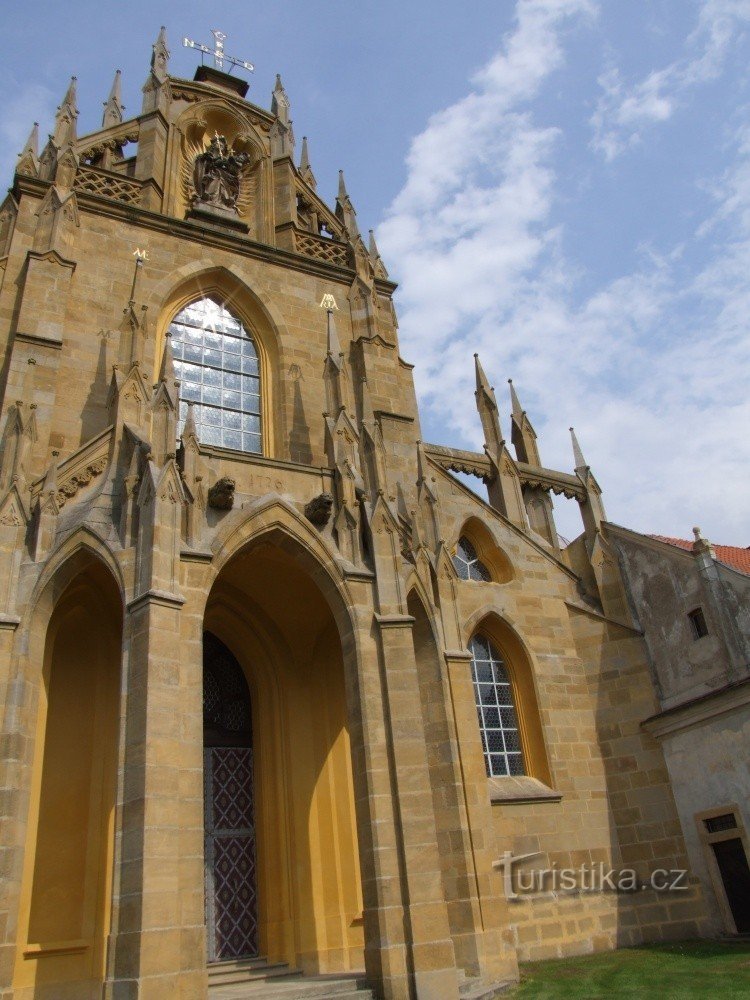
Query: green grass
706, 969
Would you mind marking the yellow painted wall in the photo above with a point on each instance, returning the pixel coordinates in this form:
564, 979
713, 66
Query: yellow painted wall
66, 896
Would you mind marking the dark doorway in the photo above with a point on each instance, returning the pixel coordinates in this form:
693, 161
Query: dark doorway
231, 880
735, 874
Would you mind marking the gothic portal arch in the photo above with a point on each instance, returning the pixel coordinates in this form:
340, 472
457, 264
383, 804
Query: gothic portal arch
268, 609
66, 889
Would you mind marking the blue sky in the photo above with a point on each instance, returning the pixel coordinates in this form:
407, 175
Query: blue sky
561, 185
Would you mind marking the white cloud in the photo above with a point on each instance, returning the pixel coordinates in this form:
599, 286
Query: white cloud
30, 103
623, 111
651, 367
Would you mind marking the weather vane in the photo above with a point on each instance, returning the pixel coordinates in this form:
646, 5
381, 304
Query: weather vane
220, 56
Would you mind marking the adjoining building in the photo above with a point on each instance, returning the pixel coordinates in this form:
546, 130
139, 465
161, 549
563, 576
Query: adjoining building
278, 691
693, 602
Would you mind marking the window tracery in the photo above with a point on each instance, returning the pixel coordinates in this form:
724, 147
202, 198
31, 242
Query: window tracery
216, 361
468, 564
496, 709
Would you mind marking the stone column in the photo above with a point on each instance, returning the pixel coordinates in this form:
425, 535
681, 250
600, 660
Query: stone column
157, 946
386, 958
432, 964
489, 916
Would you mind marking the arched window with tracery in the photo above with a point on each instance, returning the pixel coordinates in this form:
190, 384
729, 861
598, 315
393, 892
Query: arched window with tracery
216, 361
468, 564
496, 708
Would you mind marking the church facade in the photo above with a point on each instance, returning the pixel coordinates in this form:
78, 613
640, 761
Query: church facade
276, 686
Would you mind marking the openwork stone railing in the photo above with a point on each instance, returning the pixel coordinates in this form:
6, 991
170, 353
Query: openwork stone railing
107, 184
321, 248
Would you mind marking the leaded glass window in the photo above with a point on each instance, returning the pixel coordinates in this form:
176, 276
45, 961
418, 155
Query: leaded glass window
468, 564
498, 720
216, 362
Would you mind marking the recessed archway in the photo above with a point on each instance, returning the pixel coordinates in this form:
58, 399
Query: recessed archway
65, 905
268, 610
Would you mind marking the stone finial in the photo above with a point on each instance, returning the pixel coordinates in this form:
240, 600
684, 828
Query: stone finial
701, 544
160, 56
580, 461
65, 118
113, 106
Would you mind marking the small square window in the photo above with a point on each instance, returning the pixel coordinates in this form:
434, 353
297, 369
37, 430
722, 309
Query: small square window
698, 625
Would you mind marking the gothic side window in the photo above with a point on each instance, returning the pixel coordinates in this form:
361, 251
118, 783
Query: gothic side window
216, 361
498, 719
468, 564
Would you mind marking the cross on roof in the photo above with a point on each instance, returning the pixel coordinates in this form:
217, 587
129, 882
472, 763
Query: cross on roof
220, 57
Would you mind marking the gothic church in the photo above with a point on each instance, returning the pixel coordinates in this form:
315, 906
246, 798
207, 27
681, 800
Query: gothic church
278, 690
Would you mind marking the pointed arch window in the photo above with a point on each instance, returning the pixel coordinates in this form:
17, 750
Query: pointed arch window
216, 361
468, 564
496, 708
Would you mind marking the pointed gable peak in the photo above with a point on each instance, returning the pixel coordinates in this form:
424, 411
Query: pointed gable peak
113, 106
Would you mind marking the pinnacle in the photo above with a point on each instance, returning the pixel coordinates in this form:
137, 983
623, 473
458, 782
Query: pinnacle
304, 160
580, 461
482, 380
342, 186
189, 427
166, 373
32, 143
70, 94
160, 56
113, 106
518, 410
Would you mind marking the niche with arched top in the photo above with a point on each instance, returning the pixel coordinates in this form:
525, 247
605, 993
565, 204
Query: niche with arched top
65, 907
478, 557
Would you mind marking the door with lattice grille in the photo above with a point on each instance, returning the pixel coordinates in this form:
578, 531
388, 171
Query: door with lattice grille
231, 884
231, 895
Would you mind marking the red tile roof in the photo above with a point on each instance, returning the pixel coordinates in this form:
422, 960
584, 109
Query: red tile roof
731, 555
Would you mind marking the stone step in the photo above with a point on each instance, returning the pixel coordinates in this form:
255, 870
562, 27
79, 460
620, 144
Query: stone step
471, 989
295, 986
246, 971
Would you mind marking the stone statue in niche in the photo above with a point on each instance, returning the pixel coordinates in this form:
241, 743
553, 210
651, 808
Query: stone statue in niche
217, 174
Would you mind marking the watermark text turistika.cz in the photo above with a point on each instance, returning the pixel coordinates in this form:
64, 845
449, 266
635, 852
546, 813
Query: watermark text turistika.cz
594, 877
